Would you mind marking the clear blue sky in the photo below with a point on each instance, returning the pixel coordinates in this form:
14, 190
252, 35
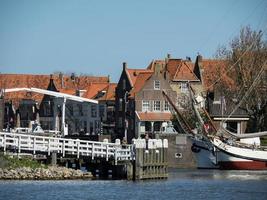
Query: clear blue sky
96, 36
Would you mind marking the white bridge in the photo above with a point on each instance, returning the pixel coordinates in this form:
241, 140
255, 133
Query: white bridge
65, 147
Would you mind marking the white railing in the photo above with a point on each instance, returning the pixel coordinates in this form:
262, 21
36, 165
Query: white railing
66, 147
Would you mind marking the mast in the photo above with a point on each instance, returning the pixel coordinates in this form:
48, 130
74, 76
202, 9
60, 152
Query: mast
184, 125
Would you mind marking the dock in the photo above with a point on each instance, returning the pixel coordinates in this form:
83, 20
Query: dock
144, 159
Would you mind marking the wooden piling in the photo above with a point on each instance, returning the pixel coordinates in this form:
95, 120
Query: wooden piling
151, 161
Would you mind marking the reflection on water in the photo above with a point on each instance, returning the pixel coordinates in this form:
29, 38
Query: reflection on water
206, 174
182, 184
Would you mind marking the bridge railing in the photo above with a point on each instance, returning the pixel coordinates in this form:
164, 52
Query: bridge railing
66, 147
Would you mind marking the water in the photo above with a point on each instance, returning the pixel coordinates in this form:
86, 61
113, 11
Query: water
182, 184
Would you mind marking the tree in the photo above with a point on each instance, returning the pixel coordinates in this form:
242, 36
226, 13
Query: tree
246, 59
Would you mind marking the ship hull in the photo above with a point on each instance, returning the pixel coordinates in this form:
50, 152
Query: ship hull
205, 157
235, 158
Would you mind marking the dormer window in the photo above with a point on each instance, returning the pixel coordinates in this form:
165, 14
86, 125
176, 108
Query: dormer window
157, 85
184, 87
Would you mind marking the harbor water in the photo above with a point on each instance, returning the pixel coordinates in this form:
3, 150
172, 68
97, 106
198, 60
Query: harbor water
181, 184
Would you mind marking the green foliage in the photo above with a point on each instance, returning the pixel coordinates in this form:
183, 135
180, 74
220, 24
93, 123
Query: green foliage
15, 162
264, 141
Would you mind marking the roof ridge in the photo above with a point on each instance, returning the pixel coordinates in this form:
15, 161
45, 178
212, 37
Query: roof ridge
178, 67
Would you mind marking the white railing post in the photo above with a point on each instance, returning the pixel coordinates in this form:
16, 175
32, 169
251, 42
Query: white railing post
115, 156
19, 143
4, 143
106, 152
93, 153
78, 147
48, 146
63, 148
34, 145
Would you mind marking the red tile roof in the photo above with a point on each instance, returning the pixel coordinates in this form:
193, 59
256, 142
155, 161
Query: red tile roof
68, 91
181, 70
110, 92
42, 81
212, 71
140, 82
93, 89
154, 116
133, 73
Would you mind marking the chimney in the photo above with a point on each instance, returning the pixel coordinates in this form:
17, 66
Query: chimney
199, 59
124, 65
61, 78
168, 56
198, 67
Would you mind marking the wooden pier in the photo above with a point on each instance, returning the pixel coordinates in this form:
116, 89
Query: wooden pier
144, 159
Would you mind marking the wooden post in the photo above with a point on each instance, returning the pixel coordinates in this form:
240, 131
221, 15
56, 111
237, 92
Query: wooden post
54, 158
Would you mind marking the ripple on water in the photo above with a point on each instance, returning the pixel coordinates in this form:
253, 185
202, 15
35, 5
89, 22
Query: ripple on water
182, 184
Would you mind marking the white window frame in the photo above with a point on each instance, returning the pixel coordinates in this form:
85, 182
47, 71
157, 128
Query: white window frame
166, 106
156, 85
156, 106
145, 105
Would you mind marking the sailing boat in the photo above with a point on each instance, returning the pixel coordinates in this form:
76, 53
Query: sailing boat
231, 153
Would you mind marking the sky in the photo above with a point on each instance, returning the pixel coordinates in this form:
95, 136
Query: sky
95, 37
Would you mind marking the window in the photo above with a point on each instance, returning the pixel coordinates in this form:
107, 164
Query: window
101, 110
93, 111
166, 106
184, 87
70, 109
47, 108
80, 107
97, 127
156, 106
157, 85
145, 106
